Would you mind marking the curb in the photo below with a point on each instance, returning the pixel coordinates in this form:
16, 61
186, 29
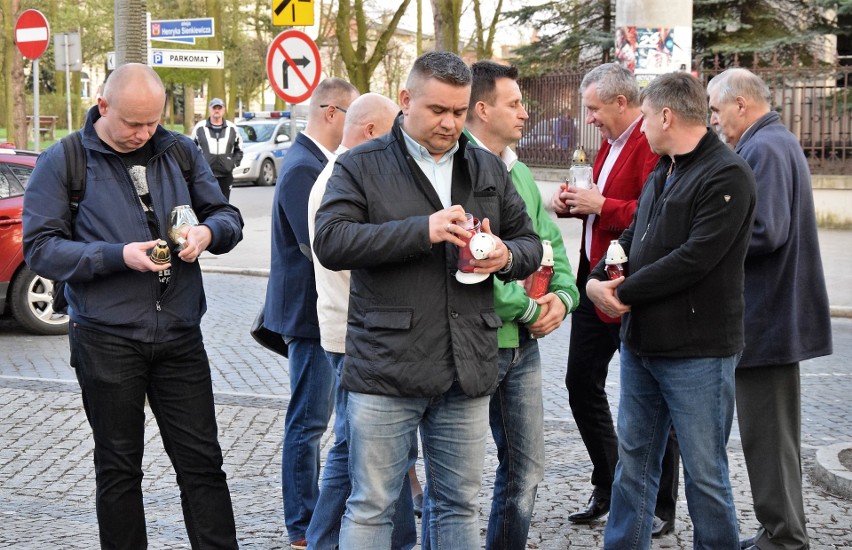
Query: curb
836, 311
830, 473
254, 272
841, 311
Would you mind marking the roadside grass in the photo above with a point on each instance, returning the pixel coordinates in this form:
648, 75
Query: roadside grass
61, 132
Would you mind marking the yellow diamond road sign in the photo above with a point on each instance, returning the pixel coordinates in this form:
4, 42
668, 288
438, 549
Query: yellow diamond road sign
293, 13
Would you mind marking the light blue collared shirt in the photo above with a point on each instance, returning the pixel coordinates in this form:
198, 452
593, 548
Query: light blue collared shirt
439, 173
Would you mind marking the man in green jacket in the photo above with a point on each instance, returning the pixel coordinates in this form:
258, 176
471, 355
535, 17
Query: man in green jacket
495, 120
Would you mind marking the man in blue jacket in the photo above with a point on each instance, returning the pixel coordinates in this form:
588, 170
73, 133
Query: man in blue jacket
291, 304
135, 331
787, 317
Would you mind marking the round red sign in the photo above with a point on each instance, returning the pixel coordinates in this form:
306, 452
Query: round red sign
32, 34
293, 66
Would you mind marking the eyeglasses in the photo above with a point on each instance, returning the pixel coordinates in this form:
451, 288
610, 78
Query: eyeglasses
341, 109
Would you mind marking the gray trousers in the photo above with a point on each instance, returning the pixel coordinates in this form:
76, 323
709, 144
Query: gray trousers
769, 415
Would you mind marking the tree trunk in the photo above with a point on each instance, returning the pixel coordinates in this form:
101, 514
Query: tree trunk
19, 104
12, 86
188, 108
419, 38
447, 14
359, 65
169, 112
131, 32
216, 80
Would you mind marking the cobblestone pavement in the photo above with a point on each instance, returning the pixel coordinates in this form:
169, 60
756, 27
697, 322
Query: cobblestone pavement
47, 479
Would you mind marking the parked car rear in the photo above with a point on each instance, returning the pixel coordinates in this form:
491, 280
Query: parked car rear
28, 296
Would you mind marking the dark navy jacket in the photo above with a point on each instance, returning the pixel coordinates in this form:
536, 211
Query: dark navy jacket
787, 314
291, 294
103, 293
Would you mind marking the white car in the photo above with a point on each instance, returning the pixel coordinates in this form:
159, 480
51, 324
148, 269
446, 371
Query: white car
265, 141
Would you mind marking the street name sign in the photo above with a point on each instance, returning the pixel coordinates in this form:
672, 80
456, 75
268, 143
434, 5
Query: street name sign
181, 30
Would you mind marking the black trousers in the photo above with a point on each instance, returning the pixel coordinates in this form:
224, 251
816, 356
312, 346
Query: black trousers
769, 414
116, 376
225, 183
592, 346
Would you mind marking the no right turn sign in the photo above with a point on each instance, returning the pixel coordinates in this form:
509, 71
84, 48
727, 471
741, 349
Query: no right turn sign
293, 66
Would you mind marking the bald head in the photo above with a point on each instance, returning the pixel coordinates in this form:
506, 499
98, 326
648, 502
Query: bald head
133, 80
130, 107
369, 116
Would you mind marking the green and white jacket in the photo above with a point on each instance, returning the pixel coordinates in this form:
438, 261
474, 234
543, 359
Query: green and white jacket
510, 300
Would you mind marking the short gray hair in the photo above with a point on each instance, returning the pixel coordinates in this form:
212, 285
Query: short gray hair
446, 67
739, 82
612, 80
681, 92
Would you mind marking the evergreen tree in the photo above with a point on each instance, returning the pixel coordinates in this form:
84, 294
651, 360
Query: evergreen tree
572, 31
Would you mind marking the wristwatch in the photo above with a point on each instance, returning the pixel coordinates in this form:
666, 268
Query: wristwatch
505, 269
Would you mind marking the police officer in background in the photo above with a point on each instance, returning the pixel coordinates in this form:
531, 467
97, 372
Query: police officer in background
220, 142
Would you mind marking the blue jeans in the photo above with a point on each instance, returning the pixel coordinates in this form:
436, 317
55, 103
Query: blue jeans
311, 402
453, 428
324, 530
517, 424
697, 395
115, 375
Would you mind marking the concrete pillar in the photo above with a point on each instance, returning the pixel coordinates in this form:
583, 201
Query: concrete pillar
653, 36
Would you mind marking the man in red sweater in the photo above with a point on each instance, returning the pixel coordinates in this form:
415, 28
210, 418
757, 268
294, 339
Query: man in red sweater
611, 98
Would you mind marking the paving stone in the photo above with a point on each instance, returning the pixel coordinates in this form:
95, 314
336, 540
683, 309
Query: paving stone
47, 477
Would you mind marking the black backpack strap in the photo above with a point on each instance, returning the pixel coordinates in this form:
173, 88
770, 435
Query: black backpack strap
75, 166
183, 157
75, 170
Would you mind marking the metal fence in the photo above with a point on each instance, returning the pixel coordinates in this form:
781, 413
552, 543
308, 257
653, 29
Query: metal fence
814, 101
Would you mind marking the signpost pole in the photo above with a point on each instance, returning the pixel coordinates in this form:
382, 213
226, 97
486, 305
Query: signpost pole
68, 82
32, 36
36, 133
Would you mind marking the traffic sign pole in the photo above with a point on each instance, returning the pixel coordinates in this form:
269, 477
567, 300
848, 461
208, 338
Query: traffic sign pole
67, 85
36, 133
32, 36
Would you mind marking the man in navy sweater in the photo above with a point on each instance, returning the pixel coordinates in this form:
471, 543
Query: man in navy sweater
787, 317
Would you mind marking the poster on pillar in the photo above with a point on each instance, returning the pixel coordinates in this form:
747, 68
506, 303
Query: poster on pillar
649, 51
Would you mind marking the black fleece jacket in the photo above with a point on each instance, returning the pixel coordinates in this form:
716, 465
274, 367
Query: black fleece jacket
686, 247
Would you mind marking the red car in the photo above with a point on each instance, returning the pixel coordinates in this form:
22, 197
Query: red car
28, 296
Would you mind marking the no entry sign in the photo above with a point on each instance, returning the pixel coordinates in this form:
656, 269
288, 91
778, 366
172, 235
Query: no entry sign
32, 34
293, 66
